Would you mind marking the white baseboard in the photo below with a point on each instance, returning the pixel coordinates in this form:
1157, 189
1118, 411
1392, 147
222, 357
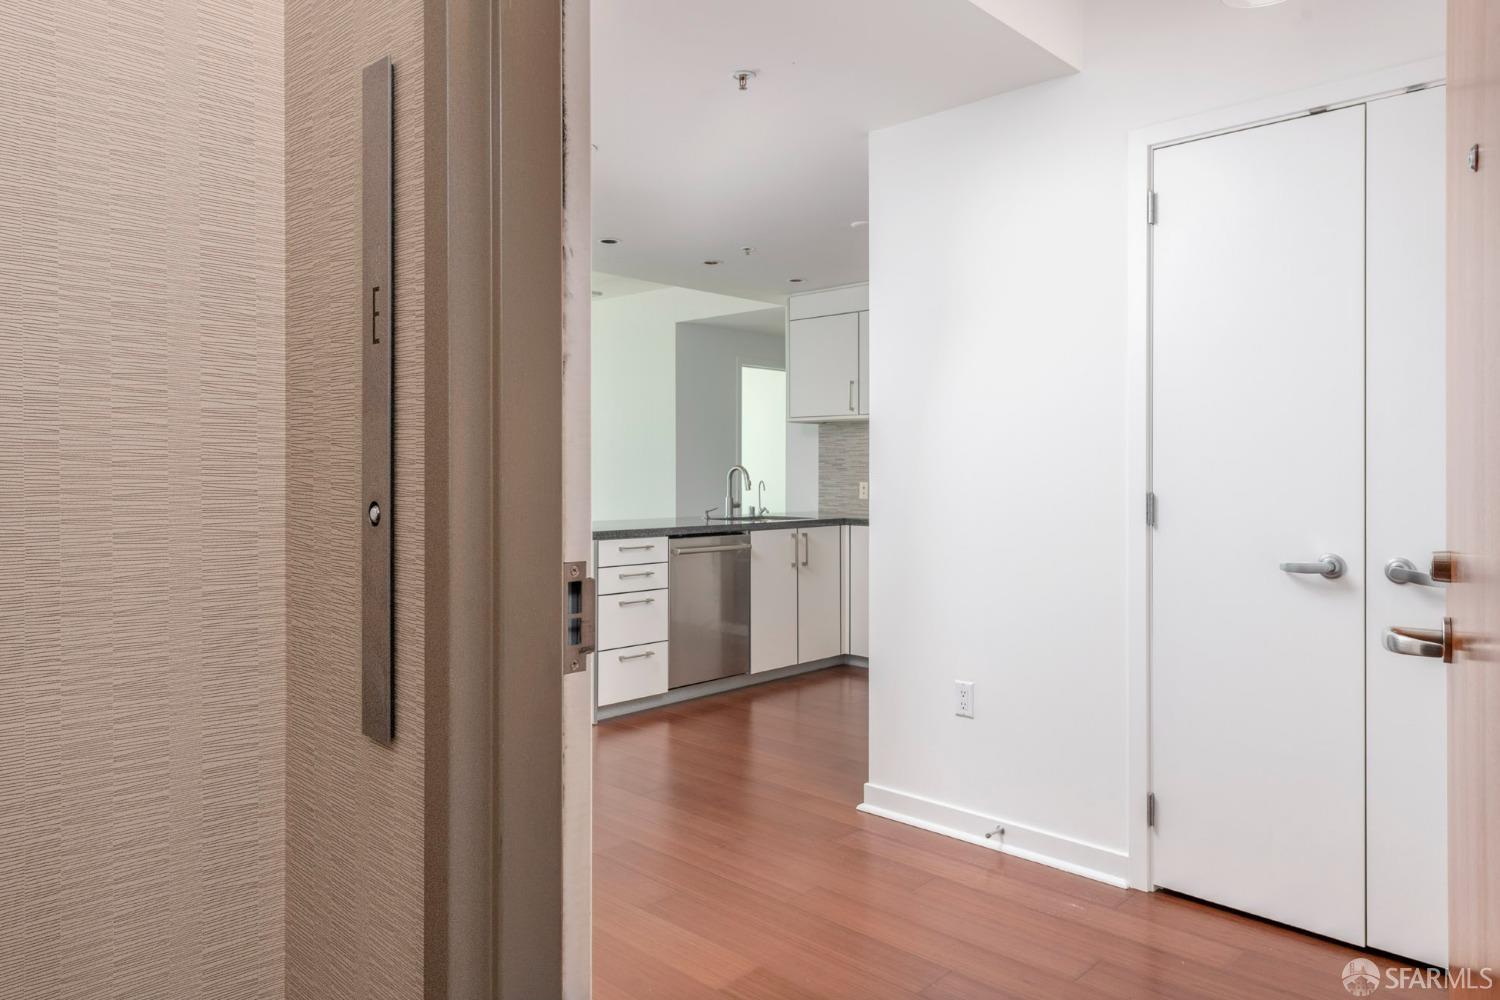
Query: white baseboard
1103, 864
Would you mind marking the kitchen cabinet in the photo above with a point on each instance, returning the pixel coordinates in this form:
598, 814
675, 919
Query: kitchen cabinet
859, 590
633, 672
632, 611
823, 367
819, 594
828, 354
774, 557
796, 597
864, 364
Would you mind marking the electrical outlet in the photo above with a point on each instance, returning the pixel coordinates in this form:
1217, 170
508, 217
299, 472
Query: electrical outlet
864, 491
963, 699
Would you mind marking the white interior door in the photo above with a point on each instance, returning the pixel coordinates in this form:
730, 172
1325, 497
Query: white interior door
1406, 744
1258, 459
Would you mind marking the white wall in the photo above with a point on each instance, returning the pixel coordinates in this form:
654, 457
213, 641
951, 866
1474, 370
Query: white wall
708, 408
998, 270
634, 397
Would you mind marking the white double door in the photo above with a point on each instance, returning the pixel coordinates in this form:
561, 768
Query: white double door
1298, 415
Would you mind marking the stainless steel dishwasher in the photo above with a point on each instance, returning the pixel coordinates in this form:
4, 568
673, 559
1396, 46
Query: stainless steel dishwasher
709, 601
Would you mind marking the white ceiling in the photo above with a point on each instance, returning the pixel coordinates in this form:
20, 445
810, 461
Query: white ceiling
687, 168
612, 286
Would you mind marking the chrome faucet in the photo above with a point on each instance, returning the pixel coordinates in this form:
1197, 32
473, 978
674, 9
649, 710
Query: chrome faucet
730, 503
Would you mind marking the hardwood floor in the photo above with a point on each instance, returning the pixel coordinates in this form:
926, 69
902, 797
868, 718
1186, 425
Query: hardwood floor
729, 861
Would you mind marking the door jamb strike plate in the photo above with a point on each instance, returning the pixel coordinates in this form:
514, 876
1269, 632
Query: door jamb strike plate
578, 617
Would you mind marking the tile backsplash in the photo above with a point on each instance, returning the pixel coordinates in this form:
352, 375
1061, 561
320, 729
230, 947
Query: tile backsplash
843, 463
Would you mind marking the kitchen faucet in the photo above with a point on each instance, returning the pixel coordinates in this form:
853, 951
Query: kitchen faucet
730, 503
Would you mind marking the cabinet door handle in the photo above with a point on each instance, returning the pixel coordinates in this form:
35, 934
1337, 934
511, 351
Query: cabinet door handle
630, 604
804, 548
851, 395
794, 549
636, 548
639, 656
632, 576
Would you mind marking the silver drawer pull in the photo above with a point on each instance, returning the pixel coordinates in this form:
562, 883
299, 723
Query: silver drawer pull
631, 576
644, 600
639, 656
636, 548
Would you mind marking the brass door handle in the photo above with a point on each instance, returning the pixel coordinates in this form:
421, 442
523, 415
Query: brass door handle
1429, 642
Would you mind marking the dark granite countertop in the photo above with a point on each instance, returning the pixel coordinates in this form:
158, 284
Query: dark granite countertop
682, 527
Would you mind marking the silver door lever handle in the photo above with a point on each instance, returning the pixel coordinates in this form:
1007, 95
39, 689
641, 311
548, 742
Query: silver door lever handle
1423, 643
1434, 642
1328, 565
1405, 571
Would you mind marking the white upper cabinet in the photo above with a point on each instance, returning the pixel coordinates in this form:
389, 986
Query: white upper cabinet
823, 367
827, 355
864, 364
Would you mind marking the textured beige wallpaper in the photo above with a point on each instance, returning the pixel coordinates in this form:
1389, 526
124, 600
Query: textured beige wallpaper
355, 809
142, 631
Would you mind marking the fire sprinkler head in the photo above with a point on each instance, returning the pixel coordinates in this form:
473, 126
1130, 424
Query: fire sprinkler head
743, 77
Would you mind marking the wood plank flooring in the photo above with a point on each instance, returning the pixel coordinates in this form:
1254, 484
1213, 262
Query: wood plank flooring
729, 861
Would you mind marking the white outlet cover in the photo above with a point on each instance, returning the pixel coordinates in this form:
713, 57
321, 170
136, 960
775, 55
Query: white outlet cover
963, 699
864, 491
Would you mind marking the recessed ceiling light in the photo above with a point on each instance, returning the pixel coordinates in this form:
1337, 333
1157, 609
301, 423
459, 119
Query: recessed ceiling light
712, 263
1247, 4
609, 241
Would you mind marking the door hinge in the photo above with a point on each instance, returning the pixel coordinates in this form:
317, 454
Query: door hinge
1150, 208
1150, 510
1151, 811
578, 617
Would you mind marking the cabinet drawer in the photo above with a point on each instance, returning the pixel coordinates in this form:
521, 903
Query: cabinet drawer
628, 579
632, 551
632, 619
628, 674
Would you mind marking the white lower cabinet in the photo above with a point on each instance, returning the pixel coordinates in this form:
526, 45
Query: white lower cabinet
632, 619
808, 602
774, 556
859, 590
820, 620
796, 597
631, 673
